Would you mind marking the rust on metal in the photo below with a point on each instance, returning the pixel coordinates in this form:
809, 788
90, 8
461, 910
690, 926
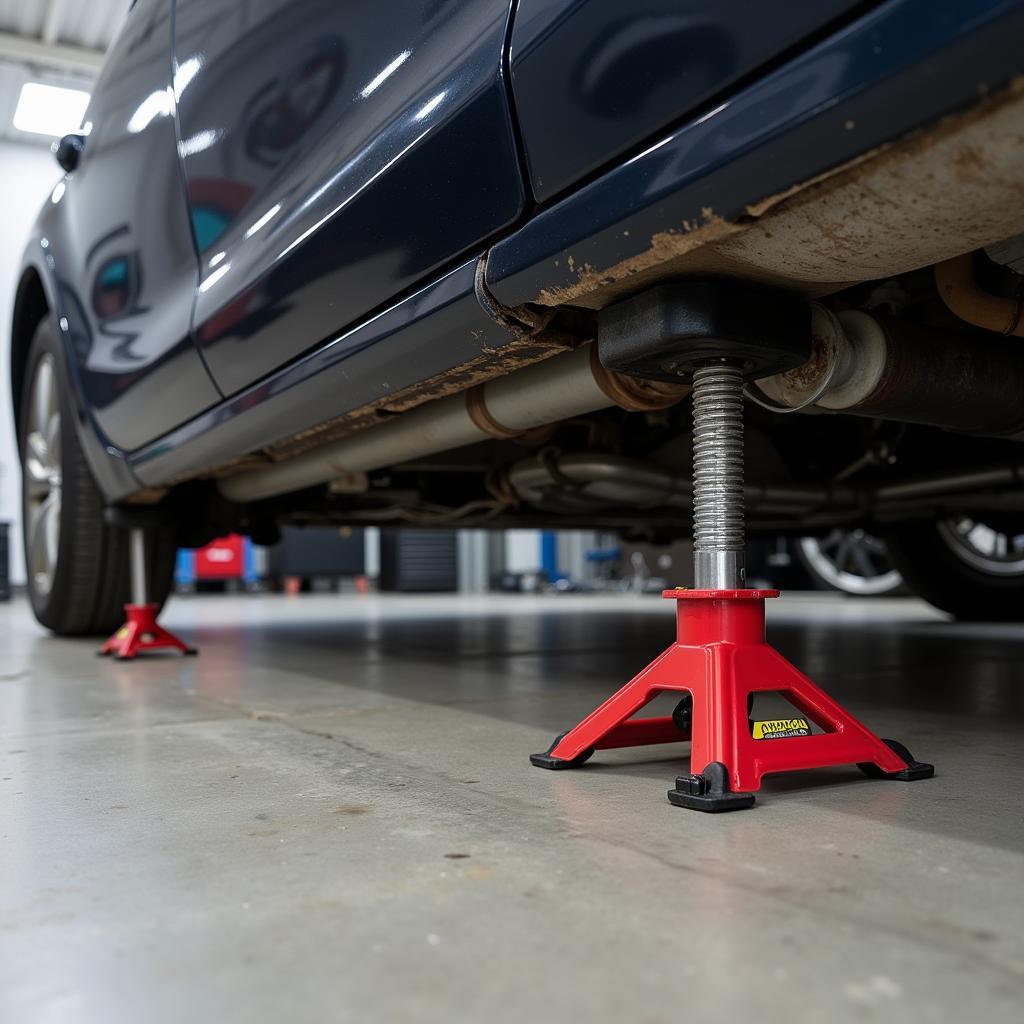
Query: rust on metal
935, 193
966, 299
633, 393
491, 363
476, 408
665, 246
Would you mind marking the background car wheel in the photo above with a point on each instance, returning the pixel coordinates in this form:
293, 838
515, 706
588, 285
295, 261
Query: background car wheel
852, 561
973, 570
76, 565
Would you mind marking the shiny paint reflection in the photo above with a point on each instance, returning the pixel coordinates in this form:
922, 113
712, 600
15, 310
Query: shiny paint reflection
427, 334
371, 150
593, 77
118, 237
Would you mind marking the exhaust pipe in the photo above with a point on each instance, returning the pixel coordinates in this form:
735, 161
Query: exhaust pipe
545, 393
883, 367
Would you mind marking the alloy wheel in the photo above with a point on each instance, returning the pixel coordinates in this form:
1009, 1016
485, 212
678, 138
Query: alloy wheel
852, 561
43, 471
989, 549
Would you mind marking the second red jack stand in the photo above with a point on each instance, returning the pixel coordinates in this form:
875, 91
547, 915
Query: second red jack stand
141, 632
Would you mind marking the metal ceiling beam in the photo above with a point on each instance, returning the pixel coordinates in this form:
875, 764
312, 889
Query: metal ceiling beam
51, 24
59, 56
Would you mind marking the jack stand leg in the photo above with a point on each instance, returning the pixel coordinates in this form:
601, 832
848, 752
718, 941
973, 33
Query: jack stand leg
720, 657
141, 632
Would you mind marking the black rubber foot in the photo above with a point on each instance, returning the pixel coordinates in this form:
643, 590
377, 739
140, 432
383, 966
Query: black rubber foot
545, 760
709, 791
915, 769
189, 652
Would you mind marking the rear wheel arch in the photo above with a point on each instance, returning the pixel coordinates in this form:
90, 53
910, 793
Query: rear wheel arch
31, 307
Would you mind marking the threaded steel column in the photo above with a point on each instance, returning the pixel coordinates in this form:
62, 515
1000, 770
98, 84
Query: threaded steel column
718, 477
137, 564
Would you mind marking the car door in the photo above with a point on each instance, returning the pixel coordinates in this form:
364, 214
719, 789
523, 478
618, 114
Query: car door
335, 155
123, 255
593, 78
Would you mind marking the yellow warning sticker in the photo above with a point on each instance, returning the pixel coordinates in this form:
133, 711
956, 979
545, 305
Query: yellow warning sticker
781, 728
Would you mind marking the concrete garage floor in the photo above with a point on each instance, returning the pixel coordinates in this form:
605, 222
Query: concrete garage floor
329, 815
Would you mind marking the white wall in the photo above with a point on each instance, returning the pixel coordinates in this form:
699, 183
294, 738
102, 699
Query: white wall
522, 550
27, 176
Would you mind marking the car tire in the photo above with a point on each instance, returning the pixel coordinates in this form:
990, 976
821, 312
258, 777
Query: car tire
942, 570
76, 564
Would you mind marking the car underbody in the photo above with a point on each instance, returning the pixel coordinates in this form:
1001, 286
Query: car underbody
917, 240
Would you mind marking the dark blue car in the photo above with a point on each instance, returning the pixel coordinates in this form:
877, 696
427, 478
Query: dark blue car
447, 263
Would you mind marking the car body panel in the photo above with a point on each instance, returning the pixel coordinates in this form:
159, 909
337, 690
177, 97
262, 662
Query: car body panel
439, 330
118, 232
336, 156
900, 66
594, 78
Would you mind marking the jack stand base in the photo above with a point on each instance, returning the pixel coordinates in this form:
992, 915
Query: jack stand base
915, 769
545, 760
142, 633
720, 660
709, 791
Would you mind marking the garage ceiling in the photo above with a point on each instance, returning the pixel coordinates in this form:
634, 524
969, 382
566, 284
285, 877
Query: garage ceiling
59, 42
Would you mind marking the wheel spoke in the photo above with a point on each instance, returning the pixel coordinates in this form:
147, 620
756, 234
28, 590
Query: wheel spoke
53, 440
43, 398
44, 537
832, 541
842, 554
876, 546
36, 531
51, 532
38, 459
861, 561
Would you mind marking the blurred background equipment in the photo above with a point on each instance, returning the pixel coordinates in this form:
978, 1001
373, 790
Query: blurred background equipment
418, 561
316, 555
5, 562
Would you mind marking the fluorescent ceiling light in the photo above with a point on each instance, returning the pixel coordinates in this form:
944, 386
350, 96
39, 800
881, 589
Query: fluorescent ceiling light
199, 142
49, 109
156, 104
431, 105
375, 83
185, 72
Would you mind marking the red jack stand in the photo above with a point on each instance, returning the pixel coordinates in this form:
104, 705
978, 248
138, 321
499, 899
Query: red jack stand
720, 658
141, 631
719, 334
